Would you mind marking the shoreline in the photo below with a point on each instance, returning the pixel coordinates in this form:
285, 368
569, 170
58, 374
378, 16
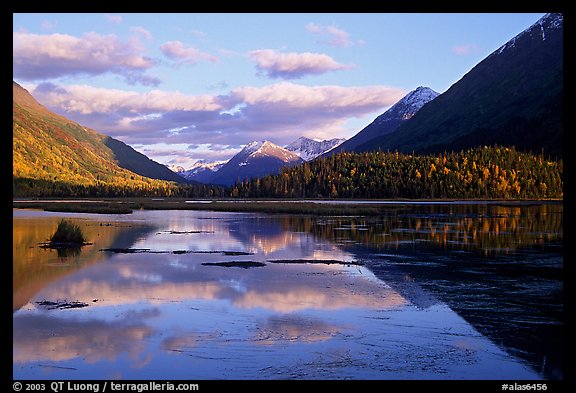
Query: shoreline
292, 206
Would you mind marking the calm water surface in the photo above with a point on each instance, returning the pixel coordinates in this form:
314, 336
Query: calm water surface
421, 292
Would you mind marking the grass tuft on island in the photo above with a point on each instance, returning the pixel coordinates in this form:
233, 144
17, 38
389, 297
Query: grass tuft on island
67, 235
67, 232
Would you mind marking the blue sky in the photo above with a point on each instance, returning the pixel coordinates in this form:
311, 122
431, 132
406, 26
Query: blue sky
183, 87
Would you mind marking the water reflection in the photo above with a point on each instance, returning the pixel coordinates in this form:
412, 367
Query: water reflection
155, 280
292, 328
482, 229
35, 267
153, 315
38, 337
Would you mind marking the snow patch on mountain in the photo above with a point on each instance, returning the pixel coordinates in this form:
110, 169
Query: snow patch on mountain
308, 149
265, 149
201, 165
408, 105
200, 171
547, 22
176, 168
256, 159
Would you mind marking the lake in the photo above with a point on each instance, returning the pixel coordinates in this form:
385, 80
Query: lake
423, 291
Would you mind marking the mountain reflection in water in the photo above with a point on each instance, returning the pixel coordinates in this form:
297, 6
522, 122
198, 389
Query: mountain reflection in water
150, 314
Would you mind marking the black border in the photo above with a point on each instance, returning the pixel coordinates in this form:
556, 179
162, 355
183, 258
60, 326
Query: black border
356, 6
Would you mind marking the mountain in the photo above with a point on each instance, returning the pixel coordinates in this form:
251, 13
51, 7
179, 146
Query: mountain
254, 160
308, 149
48, 146
390, 120
128, 158
178, 169
512, 97
202, 171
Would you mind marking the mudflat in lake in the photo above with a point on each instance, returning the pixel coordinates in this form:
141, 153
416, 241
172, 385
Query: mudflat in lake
454, 291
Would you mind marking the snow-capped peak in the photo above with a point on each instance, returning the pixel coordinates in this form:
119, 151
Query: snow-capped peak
309, 149
408, 105
255, 147
416, 99
201, 170
265, 148
176, 168
203, 164
547, 22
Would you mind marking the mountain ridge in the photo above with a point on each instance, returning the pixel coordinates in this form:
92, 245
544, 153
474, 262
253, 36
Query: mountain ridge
402, 111
202, 171
512, 97
49, 146
304, 148
308, 149
256, 159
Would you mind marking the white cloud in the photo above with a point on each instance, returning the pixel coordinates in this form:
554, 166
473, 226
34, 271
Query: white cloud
327, 98
37, 57
280, 112
86, 100
176, 50
142, 32
294, 65
333, 35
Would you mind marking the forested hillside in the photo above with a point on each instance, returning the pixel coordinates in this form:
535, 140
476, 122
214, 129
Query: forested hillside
483, 172
50, 148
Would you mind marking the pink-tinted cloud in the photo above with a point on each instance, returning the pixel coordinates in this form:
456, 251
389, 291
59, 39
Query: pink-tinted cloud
332, 35
37, 57
142, 32
176, 50
321, 98
278, 112
86, 100
465, 49
116, 19
294, 65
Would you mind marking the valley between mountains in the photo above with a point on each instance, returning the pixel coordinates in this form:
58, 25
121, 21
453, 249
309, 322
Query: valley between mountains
495, 133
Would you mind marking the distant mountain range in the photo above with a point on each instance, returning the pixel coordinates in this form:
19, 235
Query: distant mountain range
48, 146
308, 149
257, 159
390, 120
512, 97
201, 171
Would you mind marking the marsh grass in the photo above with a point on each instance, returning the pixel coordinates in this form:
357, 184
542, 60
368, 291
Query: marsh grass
128, 205
68, 233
